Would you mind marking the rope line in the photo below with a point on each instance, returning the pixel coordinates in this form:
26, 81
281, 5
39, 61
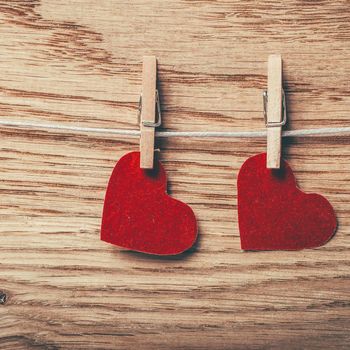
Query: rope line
199, 134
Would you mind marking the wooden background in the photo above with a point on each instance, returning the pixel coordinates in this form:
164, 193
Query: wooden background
79, 63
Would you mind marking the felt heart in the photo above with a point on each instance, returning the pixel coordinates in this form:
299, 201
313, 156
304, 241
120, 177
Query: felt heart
139, 215
274, 214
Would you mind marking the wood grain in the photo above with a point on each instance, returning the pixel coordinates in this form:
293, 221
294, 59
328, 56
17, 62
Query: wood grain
79, 63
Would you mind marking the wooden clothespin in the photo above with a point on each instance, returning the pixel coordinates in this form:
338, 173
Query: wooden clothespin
148, 102
274, 111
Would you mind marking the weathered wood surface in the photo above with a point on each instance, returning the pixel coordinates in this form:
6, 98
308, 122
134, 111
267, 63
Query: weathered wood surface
79, 63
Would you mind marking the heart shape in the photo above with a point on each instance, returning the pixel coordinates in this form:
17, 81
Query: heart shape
274, 214
139, 215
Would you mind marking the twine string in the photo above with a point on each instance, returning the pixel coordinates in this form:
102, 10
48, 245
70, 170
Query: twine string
198, 134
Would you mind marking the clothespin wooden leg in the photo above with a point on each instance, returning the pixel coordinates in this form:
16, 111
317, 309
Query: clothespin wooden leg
274, 118
148, 112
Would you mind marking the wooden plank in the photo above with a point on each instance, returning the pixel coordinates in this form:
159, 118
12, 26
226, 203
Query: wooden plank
80, 63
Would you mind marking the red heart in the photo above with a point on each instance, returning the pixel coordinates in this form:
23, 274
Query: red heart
274, 214
139, 215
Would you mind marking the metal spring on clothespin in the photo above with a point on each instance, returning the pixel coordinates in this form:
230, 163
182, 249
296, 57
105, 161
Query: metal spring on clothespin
159, 113
284, 108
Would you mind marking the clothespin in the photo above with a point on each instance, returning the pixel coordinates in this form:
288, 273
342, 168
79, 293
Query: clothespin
149, 100
274, 111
